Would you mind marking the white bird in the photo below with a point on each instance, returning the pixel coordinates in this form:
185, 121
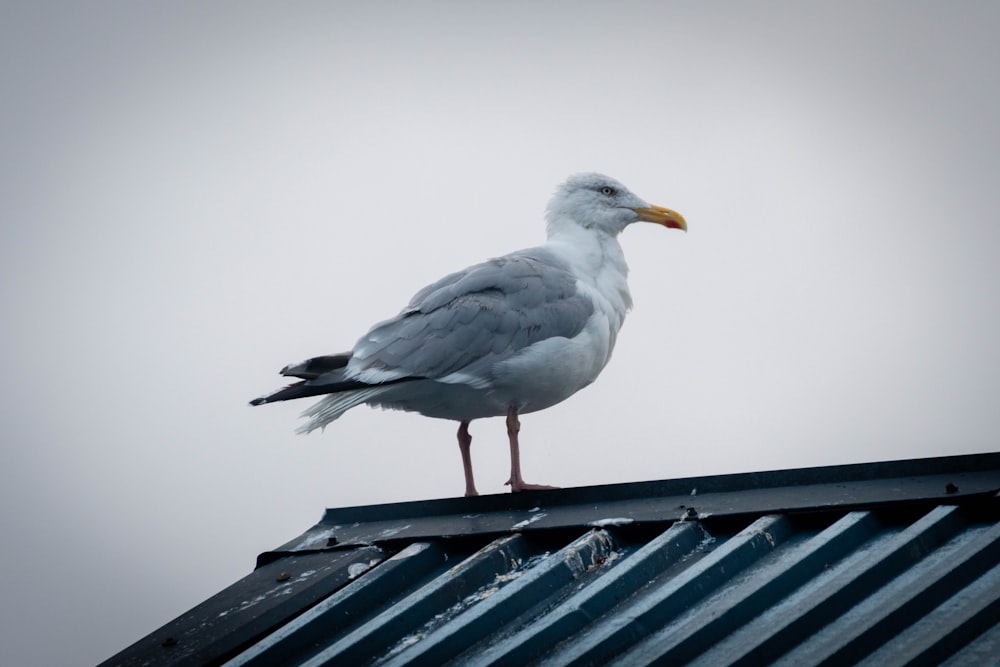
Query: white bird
512, 335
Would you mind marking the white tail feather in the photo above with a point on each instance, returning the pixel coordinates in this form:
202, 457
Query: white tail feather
333, 405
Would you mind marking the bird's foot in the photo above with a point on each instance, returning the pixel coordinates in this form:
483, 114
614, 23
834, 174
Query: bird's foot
520, 485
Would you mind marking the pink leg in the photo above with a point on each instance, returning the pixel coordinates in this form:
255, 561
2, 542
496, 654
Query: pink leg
464, 444
516, 482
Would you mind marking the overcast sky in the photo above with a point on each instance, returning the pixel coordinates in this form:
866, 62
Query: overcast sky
193, 196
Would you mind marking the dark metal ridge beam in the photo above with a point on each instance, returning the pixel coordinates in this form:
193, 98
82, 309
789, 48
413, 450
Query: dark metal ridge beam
951, 480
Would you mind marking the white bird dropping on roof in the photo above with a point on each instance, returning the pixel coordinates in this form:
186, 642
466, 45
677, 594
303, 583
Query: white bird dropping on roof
512, 335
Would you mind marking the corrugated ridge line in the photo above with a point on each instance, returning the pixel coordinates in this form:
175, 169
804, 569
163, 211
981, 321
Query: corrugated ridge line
370, 640
619, 630
983, 651
702, 627
344, 608
766, 639
580, 609
543, 580
247, 610
902, 601
954, 627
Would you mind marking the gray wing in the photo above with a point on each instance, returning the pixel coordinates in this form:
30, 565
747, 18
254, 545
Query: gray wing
470, 320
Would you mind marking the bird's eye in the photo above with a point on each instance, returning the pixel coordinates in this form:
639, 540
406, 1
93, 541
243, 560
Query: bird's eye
607, 191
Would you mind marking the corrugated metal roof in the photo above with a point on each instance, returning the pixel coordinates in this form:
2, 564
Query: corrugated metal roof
879, 564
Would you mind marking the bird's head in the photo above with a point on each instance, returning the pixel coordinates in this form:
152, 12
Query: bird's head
599, 202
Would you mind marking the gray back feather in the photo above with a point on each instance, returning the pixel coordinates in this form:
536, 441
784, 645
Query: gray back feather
470, 320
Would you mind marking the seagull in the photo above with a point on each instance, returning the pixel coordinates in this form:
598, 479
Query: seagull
512, 335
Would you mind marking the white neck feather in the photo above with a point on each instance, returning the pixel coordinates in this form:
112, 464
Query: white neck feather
598, 262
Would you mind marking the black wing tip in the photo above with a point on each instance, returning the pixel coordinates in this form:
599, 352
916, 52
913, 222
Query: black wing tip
310, 369
304, 389
295, 390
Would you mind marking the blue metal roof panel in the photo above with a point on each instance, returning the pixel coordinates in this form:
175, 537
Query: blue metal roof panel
878, 564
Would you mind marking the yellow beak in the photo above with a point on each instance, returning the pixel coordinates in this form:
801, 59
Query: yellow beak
662, 216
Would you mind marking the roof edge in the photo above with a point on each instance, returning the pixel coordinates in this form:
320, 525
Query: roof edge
728, 483
947, 479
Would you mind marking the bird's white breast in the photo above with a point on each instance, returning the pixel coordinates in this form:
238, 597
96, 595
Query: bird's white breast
552, 370
599, 265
